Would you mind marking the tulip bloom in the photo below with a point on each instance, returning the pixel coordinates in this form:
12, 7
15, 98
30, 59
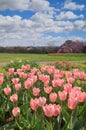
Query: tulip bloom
72, 103
15, 80
36, 91
48, 110
53, 97
16, 111
58, 82
7, 90
23, 75
48, 89
62, 95
82, 96
14, 98
17, 86
28, 83
24, 67
51, 110
70, 80
57, 109
1, 79
10, 71
42, 101
34, 104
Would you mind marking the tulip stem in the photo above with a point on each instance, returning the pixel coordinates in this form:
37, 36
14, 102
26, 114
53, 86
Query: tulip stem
70, 123
18, 124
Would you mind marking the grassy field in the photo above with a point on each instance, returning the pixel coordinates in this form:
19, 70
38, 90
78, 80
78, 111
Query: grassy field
78, 59
6, 57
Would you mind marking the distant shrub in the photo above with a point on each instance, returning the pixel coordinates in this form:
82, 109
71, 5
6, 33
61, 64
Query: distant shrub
65, 65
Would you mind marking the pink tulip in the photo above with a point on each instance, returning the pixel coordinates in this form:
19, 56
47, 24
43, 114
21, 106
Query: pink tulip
10, 71
36, 91
23, 75
15, 80
75, 70
68, 74
42, 101
62, 95
70, 80
76, 75
28, 83
53, 97
84, 77
24, 67
56, 76
17, 86
28, 67
14, 98
51, 110
43, 69
45, 79
40, 76
34, 70
67, 87
48, 89
32, 77
56, 71
48, 110
1, 79
62, 73
75, 92
34, 104
19, 71
1, 74
16, 111
81, 75
50, 69
82, 96
57, 109
72, 103
58, 82
7, 90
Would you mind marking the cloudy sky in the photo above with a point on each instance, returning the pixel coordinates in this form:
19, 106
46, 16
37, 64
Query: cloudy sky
41, 22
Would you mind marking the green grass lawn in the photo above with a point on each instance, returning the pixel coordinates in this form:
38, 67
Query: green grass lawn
7, 57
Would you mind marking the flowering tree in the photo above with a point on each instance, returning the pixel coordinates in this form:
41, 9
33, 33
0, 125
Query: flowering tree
71, 47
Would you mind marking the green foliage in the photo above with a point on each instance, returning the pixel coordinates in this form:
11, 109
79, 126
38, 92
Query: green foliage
18, 63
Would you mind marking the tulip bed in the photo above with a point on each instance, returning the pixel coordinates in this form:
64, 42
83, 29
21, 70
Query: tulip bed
42, 98
65, 65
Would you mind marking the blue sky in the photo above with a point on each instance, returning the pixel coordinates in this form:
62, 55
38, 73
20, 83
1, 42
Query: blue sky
41, 22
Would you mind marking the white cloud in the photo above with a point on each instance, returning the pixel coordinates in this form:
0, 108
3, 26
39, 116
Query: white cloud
34, 5
49, 41
68, 15
39, 5
42, 18
14, 30
80, 24
36, 31
73, 6
76, 38
13, 4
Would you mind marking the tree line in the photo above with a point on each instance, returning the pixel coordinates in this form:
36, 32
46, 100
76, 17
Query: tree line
38, 50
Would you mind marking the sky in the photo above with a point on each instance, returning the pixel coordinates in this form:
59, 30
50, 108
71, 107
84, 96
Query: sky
41, 22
